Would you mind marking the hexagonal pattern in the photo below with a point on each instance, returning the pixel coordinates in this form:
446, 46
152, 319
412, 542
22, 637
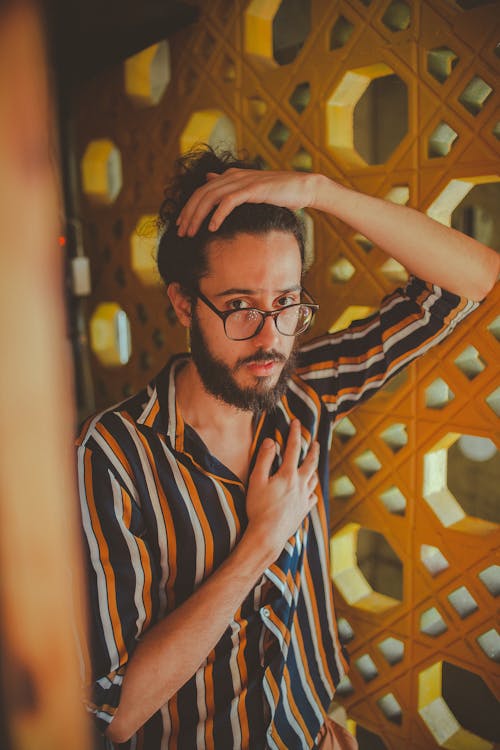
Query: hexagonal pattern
101, 171
143, 244
457, 503
361, 89
210, 126
147, 74
277, 30
441, 688
348, 577
110, 337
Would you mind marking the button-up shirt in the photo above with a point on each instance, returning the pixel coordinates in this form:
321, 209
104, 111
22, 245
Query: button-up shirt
160, 514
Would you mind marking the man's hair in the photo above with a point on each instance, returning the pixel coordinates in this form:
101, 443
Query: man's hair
183, 259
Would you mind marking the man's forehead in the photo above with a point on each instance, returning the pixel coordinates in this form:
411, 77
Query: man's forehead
255, 262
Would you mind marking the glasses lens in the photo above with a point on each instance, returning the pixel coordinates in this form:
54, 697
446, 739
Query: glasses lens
294, 319
242, 324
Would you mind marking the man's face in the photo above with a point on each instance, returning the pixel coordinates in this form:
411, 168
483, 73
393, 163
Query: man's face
261, 271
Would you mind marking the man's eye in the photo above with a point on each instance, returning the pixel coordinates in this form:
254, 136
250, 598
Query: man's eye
238, 304
287, 300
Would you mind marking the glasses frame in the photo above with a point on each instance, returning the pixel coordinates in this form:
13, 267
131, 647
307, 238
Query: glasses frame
224, 314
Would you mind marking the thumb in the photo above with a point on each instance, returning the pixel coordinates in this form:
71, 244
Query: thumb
265, 458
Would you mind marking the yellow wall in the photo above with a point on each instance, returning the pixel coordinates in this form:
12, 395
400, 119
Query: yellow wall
223, 77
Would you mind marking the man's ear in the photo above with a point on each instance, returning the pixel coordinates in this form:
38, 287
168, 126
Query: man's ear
180, 303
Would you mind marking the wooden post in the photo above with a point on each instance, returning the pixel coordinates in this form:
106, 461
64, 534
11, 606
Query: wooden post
40, 568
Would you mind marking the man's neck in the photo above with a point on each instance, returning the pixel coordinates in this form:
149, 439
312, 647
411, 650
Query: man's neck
203, 411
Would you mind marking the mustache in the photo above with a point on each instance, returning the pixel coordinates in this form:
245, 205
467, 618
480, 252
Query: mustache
261, 356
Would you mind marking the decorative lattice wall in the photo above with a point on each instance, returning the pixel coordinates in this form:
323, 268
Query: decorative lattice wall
399, 99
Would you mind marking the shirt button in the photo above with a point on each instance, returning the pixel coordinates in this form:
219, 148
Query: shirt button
265, 612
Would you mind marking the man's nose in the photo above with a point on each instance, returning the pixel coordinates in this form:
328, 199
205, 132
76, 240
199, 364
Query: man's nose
268, 336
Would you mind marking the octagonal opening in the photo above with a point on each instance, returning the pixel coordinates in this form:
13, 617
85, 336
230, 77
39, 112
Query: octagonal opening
101, 171
470, 205
477, 213
367, 115
110, 337
461, 478
143, 247
147, 74
457, 707
276, 30
209, 126
365, 569
433, 559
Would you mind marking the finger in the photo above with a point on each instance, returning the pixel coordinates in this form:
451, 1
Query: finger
264, 462
201, 203
310, 463
313, 499
215, 181
292, 450
312, 482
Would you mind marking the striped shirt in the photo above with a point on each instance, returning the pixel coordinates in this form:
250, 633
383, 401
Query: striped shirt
160, 513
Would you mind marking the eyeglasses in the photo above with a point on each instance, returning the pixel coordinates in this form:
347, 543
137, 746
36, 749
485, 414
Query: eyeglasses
249, 321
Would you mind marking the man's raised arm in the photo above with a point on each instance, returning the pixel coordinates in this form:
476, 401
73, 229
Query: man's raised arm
425, 247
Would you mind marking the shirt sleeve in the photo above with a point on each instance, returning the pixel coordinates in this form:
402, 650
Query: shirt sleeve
347, 367
121, 579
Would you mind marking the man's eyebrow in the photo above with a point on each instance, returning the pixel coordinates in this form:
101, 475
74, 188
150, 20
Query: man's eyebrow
251, 292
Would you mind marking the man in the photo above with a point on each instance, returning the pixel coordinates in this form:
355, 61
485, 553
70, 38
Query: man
205, 497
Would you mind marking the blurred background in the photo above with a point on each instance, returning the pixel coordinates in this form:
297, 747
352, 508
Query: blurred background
398, 99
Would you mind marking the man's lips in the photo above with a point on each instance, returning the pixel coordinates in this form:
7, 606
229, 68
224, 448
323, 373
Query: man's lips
262, 368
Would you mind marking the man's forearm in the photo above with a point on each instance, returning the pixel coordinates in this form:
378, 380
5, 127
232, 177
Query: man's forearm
425, 247
171, 652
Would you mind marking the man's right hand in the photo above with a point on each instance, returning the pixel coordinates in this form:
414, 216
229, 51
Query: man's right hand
277, 505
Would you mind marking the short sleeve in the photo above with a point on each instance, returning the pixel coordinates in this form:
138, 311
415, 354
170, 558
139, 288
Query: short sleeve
347, 367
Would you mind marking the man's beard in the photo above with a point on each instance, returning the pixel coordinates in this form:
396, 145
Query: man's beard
218, 378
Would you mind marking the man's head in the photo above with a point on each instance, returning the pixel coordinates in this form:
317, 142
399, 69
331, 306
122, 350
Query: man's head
254, 260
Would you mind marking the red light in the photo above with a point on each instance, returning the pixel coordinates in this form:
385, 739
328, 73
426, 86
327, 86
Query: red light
62, 241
